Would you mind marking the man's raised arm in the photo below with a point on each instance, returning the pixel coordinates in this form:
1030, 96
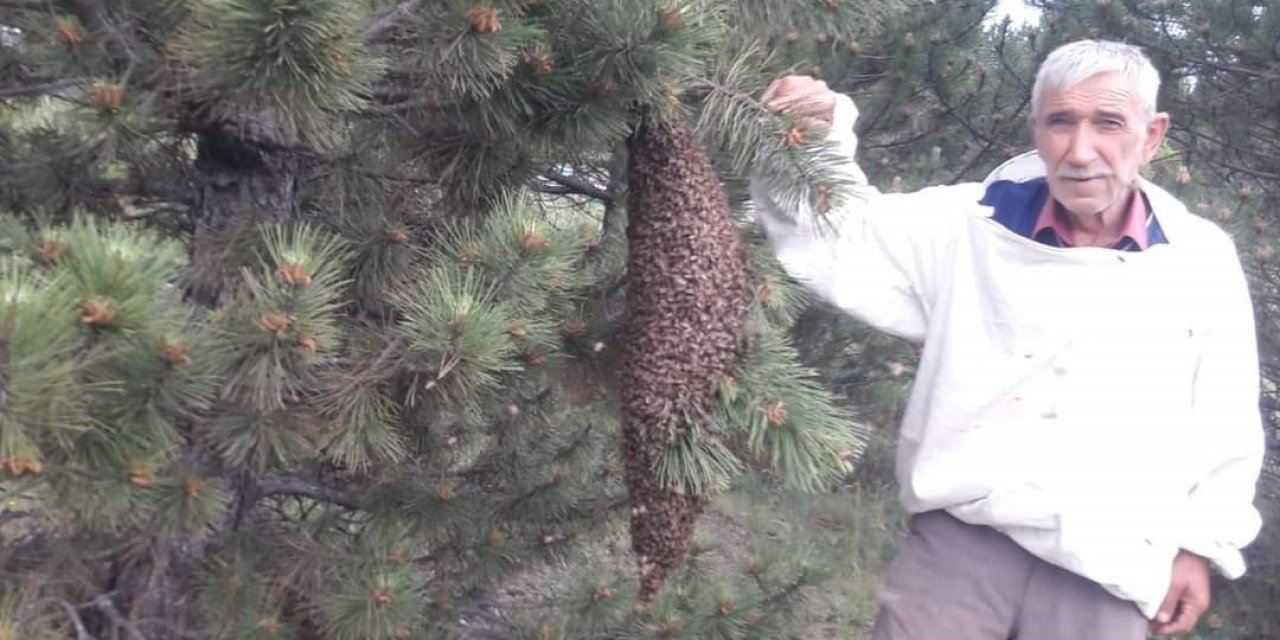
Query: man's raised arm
875, 255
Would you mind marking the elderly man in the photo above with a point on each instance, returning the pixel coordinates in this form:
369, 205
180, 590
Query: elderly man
1083, 439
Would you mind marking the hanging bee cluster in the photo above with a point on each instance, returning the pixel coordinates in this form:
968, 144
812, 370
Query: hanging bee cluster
688, 297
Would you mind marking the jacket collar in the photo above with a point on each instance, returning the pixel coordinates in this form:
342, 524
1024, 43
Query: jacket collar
1028, 168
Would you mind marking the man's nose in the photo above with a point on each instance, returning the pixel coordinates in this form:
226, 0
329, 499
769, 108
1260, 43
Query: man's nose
1081, 149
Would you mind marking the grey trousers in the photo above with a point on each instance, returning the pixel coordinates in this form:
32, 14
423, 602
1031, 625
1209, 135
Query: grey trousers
956, 581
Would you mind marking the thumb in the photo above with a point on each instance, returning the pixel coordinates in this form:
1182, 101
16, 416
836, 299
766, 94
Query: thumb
770, 91
783, 85
1170, 605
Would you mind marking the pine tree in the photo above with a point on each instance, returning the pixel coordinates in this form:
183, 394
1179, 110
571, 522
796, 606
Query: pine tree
313, 309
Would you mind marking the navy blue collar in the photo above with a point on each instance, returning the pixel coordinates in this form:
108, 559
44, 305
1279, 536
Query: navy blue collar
1017, 206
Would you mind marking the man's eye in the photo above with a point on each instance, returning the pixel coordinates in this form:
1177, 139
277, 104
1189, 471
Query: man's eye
1112, 125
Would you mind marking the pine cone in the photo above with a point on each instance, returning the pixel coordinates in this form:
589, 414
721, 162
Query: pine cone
688, 293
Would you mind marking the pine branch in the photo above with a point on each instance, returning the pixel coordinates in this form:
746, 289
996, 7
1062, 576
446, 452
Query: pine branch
1191, 58
1214, 159
705, 86
1245, 170
403, 106
574, 185
613, 225
1004, 61
275, 485
387, 18
92, 14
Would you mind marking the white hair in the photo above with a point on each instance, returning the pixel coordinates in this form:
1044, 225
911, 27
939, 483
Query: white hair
1071, 64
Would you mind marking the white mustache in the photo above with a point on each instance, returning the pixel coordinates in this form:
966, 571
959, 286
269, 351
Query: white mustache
1073, 174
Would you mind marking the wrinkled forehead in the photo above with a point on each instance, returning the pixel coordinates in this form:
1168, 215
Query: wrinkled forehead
1110, 91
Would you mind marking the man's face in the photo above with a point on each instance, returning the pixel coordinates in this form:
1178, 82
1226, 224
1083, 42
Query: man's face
1093, 138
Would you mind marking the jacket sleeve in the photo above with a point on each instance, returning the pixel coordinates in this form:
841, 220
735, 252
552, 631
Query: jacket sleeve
876, 256
1221, 518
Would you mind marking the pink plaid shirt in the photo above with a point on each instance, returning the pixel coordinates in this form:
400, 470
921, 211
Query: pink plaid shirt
1134, 235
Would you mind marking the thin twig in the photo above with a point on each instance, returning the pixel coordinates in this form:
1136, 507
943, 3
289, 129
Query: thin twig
1004, 62
387, 19
81, 632
93, 15
574, 184
398, 177
290, 485
109, 609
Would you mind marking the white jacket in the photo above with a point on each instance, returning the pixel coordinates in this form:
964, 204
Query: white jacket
1098, 407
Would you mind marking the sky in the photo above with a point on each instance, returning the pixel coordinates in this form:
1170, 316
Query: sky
1018, 10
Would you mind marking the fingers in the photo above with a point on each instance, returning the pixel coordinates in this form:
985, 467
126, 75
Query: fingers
801, 105
800, 95
789, 85
1188, 597
1183, 621
808, 102
771, 91
1181, 616
1169, 608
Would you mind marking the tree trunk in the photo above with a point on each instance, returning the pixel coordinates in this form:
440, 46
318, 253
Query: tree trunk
244, 177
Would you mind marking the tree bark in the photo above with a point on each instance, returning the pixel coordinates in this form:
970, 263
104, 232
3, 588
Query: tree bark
244, 176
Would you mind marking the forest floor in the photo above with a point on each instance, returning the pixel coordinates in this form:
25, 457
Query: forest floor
856, 530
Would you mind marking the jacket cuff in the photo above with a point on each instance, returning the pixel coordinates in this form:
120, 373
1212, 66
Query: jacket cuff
1225, 559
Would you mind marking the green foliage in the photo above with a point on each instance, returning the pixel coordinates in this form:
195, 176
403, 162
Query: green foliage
404, 391
459, 335
87, 342
470, 50
41, 406
368, 601
845, 20
789, 418
364, 420
238, 604
297, 60
647, 50
187, 506
404, 398
281, 320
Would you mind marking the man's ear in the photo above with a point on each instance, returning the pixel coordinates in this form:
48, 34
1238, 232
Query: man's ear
1156, 128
